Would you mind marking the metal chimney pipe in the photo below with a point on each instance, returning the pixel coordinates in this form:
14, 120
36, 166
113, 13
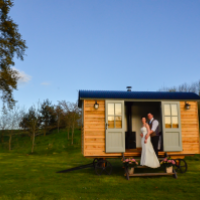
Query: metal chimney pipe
128, 88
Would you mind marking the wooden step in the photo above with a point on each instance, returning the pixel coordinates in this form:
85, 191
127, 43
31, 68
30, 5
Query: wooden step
137, 159
140, 166
151, 174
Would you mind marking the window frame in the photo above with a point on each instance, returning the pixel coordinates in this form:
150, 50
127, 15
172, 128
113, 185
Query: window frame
115, 115
171, 115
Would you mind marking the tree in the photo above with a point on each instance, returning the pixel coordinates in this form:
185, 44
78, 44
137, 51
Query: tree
31, 122
14, 118
4, 118
11, 45
74, 118
59, 114
48, 116
194, 87
66, 115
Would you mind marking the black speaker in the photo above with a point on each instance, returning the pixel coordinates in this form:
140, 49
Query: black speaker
130, 140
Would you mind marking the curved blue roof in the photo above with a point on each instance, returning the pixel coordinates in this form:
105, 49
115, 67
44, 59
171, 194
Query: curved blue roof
95, 94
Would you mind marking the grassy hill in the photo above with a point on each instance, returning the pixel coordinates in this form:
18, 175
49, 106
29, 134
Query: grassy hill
52, 143
26, 176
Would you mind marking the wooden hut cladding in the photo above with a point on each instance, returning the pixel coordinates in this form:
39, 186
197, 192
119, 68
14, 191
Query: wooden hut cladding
104, 129
93, 133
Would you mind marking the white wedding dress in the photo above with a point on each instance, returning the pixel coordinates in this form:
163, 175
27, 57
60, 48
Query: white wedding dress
148, 157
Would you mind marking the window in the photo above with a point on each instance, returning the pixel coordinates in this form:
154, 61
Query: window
114, 115
171, 117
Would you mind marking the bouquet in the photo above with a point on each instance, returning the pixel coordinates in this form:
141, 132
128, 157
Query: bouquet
168, 162
130, 162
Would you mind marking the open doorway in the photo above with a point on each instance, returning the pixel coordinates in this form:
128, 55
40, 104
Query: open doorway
133, 113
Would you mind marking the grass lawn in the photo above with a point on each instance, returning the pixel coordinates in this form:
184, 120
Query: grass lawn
25, 176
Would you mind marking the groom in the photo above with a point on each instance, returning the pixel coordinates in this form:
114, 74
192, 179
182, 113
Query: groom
154, 132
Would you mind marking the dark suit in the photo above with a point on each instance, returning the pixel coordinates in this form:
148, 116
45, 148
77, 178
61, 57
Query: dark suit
154, 137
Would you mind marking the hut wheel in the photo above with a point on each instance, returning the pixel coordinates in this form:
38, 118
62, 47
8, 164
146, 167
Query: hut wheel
95, 161
103, 167
181, 165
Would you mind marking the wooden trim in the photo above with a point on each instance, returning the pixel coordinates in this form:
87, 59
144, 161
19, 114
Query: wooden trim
138, 155
177, 157
84, 128
198, 122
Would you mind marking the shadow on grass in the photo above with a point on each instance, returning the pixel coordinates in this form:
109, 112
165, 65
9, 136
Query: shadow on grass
117, 170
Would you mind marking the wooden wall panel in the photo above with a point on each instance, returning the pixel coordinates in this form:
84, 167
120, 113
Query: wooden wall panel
94, 128
189, 128
82, 129
94, 131
82, 140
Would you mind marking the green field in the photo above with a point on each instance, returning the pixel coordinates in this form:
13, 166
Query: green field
33, 176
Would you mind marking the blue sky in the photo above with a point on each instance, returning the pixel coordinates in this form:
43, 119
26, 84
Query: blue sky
105, 45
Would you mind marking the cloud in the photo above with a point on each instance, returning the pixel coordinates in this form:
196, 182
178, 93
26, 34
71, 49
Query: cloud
45, 83
23, 77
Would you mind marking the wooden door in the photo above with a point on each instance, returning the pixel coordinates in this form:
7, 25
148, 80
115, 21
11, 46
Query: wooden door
115, 134
172, 139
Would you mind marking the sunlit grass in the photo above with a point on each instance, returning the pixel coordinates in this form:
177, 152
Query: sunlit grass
27, 176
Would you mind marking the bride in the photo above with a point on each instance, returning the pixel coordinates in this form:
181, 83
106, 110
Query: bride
148, 157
